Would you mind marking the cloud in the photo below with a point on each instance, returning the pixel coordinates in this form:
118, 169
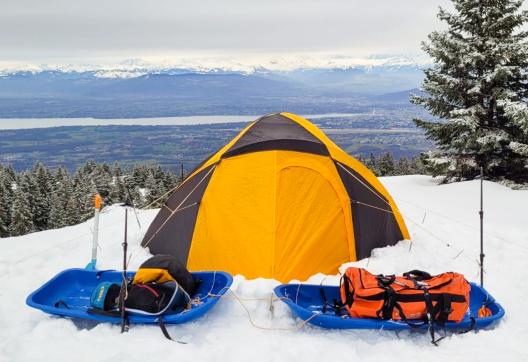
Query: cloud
70, 30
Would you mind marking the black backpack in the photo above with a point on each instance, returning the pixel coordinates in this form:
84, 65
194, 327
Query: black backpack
156, 299
163, 268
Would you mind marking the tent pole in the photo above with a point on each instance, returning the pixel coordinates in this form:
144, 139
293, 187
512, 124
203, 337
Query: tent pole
130, 202
481, 213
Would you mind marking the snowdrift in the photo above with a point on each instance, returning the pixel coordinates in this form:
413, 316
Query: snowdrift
443, 221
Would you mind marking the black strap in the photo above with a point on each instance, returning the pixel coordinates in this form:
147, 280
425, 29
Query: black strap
442, 309
339, 308
166, 332
418, 297
471, 326
432, 317
404, 317
385, 281
418, 275
349, 295
323, 297
389, 302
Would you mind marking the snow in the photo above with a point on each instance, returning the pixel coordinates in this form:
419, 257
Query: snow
243, 63
443, 221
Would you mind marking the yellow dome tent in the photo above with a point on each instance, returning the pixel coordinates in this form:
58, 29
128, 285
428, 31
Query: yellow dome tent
281, 201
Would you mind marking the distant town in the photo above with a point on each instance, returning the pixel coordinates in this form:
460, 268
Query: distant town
172, 146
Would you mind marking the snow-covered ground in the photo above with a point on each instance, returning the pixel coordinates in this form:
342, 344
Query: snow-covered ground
443, 221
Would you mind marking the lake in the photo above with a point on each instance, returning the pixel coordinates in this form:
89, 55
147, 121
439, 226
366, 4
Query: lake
26, 123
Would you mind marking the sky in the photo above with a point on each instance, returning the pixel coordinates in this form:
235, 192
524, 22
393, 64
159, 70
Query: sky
73, 31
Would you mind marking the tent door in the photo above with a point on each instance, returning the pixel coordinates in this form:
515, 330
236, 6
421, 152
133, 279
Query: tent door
310, 232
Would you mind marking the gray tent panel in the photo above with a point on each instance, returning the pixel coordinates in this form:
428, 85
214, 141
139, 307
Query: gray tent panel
172, 230
277, 132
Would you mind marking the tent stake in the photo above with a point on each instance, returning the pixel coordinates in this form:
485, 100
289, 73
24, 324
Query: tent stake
481, 213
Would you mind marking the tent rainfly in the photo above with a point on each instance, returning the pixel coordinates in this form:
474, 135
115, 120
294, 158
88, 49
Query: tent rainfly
281, 201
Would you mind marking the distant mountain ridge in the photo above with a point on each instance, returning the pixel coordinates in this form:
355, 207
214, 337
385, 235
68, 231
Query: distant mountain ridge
179, 91
206, 64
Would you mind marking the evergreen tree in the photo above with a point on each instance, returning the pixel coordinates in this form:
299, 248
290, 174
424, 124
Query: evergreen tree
478, 89
137, 198
386, 165
403, 167
7, 195
61, 180
135, 193
154, 190
57, 217
62, 192
372, 164
170, 182
84, 191
10, 173
42, 196
103, 179
4, 212
118, 193
139, 175
158, 172
72, 211
21, 213
89, 167
27, 184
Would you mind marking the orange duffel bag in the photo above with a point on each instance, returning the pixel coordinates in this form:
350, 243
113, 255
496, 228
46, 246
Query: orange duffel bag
414, 296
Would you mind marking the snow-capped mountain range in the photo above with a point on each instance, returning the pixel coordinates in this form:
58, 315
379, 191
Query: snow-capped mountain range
135, 67
191, 86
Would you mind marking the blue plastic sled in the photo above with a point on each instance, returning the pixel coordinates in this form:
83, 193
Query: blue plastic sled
305, 300
74, 288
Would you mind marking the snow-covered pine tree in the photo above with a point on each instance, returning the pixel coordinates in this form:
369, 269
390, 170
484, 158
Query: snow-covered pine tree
10, 173
5, 214
61, 176
372, 164
84, 190
478, 88
118, 190
158, 172
137, 197
171, 180
42, 196
57, 217
139, 175
89, 167
7, 195
103, 179
386, 165
154, 190
21, 213
72, 209
403, 167
61, 194
26, 182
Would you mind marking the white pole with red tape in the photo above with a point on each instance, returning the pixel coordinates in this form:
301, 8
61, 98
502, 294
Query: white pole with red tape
98, 201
